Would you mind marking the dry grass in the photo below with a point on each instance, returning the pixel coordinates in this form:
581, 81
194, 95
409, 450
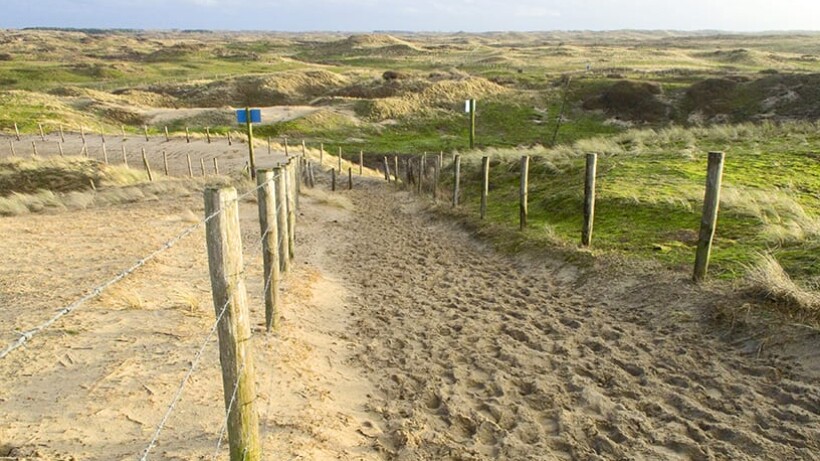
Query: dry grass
768, 280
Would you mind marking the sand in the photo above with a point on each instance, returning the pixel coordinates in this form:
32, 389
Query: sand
402, 338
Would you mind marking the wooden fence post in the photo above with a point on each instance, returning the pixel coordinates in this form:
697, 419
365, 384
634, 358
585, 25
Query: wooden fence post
124, 157
59, 146
105, 154
165, 161
190, 168
11, 145
216, 166
187, 135
708, 220
147, 166
122, 131
16, 132
270, 246
208, 134
145, 130
33, 149
396, 172
167, 135
281, 196
456, 179
202, 165
485, 184
82, 133
349, 178
230, 141
525, 173
340, 160
304, 149
361, 162
62, 135
386, 170
436, 176
42, 133
224, 240
102, 133
321, 155
333, 179
291, 210
589, 199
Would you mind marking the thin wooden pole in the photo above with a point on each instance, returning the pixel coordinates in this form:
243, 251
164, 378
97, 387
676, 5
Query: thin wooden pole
190, 168
291, 195
396, 170
216, 166
16, 132
340, 160
304, 149
84, 150
230, 141
333, 179
62, 135
208, 134
124, 157
11, 145
42, 133
33, 148
105, 154
187, 135
472, 123
281, 197
708, 222
523, 192
287, 153
224, 240
82, 133
589, 199
167, 135
436, 176
456, 179
420, 181
361, 162
270, 246
59, 146
269, 152
485, 184
202, 165
386, 170
321, 155
145, 130
147, 165
349, 178
249, 126
102, 134
122, 131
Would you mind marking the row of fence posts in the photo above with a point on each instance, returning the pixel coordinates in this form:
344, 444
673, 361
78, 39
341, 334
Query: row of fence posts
278, 191
708, 219
145, 133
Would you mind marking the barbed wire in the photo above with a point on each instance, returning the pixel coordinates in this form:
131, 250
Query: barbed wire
27, 335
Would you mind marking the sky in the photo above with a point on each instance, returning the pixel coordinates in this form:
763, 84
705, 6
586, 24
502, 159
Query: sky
415, 15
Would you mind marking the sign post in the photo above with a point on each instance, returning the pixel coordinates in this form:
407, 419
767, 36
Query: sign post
469, 107
250, 116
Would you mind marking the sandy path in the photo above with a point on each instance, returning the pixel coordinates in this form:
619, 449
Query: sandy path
477, 356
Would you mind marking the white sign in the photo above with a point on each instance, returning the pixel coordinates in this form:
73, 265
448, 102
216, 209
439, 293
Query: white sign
467, 106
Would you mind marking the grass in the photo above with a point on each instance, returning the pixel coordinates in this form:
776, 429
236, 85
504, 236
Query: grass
650, 188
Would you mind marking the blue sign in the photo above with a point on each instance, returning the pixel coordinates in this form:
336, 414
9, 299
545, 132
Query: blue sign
256, 116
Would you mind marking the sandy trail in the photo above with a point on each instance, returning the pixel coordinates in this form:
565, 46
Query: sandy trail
402, 338
478, 356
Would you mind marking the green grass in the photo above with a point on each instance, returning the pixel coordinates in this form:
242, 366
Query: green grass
650, 188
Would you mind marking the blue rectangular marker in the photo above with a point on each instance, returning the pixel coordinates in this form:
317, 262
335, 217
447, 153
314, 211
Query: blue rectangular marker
256, 116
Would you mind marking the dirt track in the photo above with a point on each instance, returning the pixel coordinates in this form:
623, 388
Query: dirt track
403, 338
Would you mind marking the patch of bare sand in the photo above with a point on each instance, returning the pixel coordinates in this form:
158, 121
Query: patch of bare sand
96, 384
479, 356
271, 114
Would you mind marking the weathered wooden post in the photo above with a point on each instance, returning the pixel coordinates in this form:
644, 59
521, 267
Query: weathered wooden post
291, 179
230, 141
165, 161
386, 169
216, 166
396, 169
147, 166
208, 134
190, 168
361, 162
270, 246
42, 133
187, 135
16, 132
167, 135
420, 182
105, 154
202, 165
33, 149
59, 146
224, 240
62, 134
472, 123
287, 153
456, 179
269, 151
589, 199
281, 196
84, 150
102, 133
436, 176
145, 130
11, 146
249, 126
708, 222
522, 208
82, 133
124, 157
485, 184
349, 178
122, 131
333, 179
304, 149
340, 160
321, 155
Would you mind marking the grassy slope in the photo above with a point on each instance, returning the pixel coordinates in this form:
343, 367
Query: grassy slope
650, 187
